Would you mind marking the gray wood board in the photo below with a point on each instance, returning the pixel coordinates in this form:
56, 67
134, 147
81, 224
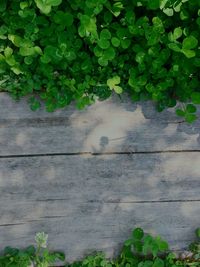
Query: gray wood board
106, 127
92, 202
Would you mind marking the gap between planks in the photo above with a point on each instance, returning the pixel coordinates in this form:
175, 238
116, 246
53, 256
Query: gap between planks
99, 153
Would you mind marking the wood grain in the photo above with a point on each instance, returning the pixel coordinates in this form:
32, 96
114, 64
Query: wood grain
92, 202
106, 127
88, 177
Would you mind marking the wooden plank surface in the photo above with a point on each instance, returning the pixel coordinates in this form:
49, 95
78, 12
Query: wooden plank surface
92, 202
88, 177
106, 127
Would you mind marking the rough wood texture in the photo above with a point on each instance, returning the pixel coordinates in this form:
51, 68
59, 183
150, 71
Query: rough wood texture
88, 177
111, 126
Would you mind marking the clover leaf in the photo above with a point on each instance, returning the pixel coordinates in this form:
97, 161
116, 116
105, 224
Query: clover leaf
113, 84
189, 43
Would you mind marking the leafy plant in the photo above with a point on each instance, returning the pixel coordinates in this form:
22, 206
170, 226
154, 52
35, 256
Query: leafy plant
63, 51
13, 257
38, 256
141, 250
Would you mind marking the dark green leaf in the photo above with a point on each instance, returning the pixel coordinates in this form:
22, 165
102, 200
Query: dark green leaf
138, 233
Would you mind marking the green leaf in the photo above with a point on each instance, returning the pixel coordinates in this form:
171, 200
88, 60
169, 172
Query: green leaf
16, 69
184, 15
105, 34
162, 244
109, 53
140, 57
16, 40
191, 108
11, 61
63, 18
158, 263
103, 61
8, 52
53, 2
180, 112
45, 6
177, 33
174, 47
103, 43
118, 89
115, 42
168, 11
3, 5
113, 84
34, 103
28, 60
195, 97
190, 117
113, 81
189, 43
158, 25
138, 245
138, 233
128, 242
155, 4
188, 53
26, 51
125, 43
23, 5
198, 232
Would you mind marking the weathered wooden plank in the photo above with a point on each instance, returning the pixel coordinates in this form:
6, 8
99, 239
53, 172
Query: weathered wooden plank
103, 226
92, 202
106, 178
110, 126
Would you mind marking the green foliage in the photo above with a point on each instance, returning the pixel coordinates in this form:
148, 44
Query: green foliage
63, 51
38, 256
141, 250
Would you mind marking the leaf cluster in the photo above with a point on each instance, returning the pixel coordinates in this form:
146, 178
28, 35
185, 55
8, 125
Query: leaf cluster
32, 256
141, 250
63, 51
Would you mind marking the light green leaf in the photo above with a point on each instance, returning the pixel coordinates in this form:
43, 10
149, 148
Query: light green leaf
188, 53
190, 43
53, 2
11, 61
113, 84
8, 52
16, 40
44, 8
113, 81
17, 70
118, 89
26, 51
168, 11
177, 33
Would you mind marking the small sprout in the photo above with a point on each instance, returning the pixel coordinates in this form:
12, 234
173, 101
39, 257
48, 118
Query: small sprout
41, 239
